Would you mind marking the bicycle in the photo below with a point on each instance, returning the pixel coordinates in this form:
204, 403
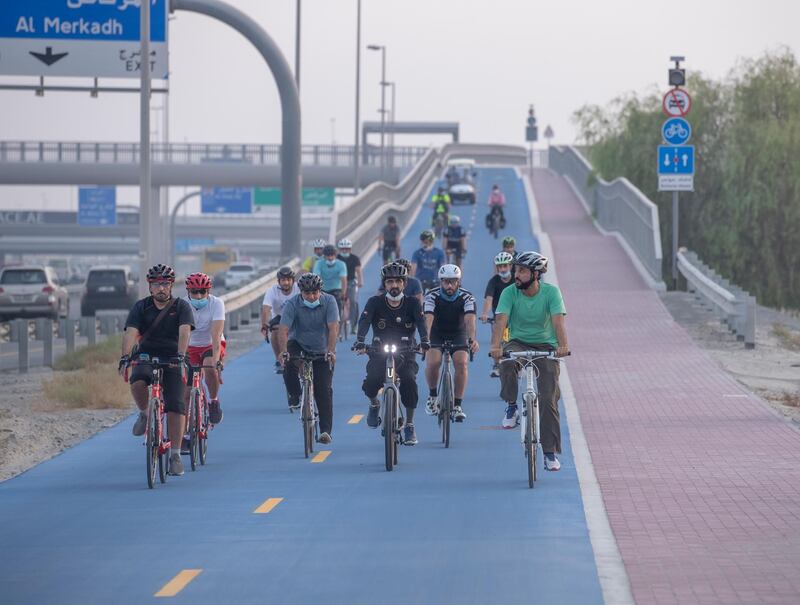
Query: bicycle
438, 223
352, 311
157, 443
309, 415
198, 425
455, 255
530, 428
446, 387
495, 373
494, 223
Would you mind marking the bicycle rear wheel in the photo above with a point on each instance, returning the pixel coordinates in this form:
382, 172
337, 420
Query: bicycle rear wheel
530, 439
194, 429
202, 449
307, 416
152, 448
389, 428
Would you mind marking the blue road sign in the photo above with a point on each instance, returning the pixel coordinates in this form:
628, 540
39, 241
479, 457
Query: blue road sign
193, 245
227, 200
676, 131
97, 206
676, 159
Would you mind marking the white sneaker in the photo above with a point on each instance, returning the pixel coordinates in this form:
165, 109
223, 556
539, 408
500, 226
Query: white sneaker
551, 463
458, 414
511, 417
432, 406
495, 373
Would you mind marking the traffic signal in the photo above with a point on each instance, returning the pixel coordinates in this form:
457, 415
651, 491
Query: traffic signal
677, 77
531, 131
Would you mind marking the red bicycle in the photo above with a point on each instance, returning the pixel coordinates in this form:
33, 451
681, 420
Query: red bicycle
198, 425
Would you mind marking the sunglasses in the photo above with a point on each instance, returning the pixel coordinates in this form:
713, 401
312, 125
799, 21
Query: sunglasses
198, 291
161, 284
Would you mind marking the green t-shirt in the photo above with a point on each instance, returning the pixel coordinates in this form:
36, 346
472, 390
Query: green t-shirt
530, 317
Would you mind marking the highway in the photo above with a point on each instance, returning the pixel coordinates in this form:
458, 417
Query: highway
447, 526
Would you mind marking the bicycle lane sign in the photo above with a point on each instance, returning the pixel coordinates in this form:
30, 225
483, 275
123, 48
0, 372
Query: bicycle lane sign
676, 131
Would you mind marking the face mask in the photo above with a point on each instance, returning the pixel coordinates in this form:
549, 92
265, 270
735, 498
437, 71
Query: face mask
395, 297
344, 254
427, 247
505, 274
198, 303
450, 298
330, 263
312, 305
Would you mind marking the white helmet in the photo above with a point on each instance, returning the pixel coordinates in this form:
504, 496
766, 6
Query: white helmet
318, 243
345, 243
449, 272
504, 258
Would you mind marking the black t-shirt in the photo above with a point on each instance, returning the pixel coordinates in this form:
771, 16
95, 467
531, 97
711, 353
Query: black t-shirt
351, 262
391, 233
163, 342
495, 288
448, 316
453, 235
391, 324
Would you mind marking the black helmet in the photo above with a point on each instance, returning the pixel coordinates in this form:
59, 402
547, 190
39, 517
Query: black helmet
441, 189
285, 272
309, 282
509, 241
532, 260
426, 235
391, 219
329, 250
405, 262
394, 270
161, 272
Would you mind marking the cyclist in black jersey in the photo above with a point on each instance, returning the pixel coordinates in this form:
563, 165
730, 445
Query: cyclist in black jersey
455, 240
392, 316
494, 288
450, 316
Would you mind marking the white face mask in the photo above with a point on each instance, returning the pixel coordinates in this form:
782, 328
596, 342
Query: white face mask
505, 274
397, 298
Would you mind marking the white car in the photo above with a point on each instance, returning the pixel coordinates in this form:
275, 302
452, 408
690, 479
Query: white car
239, 274
460, 176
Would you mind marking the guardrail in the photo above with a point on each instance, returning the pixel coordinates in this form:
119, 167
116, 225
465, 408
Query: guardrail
616, 206
734, 307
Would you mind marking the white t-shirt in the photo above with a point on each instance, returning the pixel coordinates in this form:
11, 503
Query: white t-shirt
213, 311
275, 298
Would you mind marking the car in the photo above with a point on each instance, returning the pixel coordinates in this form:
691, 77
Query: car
108, 287
460, 176
239, 274
32, 291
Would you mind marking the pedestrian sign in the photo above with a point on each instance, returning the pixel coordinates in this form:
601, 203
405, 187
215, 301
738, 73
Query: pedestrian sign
676, 168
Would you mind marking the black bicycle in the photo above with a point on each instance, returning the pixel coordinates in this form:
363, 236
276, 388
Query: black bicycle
309, 415
446, 388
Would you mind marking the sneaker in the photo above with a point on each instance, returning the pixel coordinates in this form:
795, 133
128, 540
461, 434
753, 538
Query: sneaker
409, 435
458, 414
278, 367
432, 406
551, 463
214, 411
324, 438
511, 419
140, 425
294, 403
175, 465
373, 416
495, 373
186, 444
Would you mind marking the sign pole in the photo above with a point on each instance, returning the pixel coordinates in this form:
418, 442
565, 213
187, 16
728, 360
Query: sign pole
146, 214
675, 221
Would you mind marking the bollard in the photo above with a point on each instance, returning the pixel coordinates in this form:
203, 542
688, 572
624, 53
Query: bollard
750, 323
69, 334
47, 338
91, 330
24, 357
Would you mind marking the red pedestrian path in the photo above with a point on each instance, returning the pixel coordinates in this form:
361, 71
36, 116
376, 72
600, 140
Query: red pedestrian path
700, 480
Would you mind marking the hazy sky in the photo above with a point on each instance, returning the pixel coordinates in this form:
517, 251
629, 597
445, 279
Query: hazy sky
478, 62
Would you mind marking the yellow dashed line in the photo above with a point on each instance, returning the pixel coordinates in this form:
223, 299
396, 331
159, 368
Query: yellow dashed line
322, 456
268, 505
355, 419
178, 583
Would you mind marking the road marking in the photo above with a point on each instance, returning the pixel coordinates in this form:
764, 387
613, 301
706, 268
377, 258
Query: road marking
268, 505
322, 456
355, 419
178, 583
735, 396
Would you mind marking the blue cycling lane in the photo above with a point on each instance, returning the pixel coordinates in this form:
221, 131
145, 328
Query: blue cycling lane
457, 525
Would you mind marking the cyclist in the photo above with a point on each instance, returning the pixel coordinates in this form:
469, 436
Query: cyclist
160, 325
207, 341
426, 261
391, 317
510, 245
455, 238
441, 203
499, 282
449, 316
534, 313
413, 287
389, 240
308, 264
272, 306
334, 276
355, 279
310, 323
497, 201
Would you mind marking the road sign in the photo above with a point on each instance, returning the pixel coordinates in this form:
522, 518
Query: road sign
677, 103
80, 38
676, 131
226, 200
193, 245
676, 168
270, 196
97, 206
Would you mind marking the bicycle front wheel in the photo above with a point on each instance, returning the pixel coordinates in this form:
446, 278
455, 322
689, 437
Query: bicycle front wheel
307, 416
447, 408
151, 445
194, 428
530, 438
389, 422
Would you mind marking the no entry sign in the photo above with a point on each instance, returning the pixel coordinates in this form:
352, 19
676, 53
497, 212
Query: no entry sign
677, 103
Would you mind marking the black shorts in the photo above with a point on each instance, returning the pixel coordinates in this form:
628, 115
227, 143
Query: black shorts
457, 338
454, 247
171, 382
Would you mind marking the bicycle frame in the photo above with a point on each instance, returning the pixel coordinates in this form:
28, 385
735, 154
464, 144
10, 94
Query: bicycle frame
309, 416
446, 377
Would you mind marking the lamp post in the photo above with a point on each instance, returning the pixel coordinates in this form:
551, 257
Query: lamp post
356, 157
382, 48
391, 125
297, 46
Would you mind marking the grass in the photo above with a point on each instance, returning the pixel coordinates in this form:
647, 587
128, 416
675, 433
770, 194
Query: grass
789, 338
104, 352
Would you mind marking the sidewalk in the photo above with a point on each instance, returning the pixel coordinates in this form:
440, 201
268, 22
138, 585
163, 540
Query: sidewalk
701, 481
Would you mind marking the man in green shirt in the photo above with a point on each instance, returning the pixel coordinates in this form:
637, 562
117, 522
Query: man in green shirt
534, 313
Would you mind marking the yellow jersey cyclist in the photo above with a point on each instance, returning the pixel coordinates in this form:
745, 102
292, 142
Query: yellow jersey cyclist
441, 203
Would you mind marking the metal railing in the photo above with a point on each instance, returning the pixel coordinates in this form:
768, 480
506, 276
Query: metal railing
195, 153
616, 206
733, 306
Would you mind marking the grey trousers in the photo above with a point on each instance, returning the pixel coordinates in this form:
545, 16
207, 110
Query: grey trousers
549, 392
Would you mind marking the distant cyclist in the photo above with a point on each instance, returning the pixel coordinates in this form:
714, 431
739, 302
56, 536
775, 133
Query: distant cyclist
308, 264
389, 240
510, 246
413, 287
535, 315
497, 201
426, 261
455, 240
334, 275
449, 316
499, 282
392, 316
441, 203
355, 279
272, 306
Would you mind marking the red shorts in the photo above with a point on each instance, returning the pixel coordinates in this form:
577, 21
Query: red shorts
198, 354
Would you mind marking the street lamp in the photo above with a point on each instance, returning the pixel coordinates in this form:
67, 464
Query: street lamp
382, 48
356, 150
391, 125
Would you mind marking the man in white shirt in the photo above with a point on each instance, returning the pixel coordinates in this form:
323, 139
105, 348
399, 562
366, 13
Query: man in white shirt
272, 307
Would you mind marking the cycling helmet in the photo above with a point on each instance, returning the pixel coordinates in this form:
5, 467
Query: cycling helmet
455, 219
318, 243
345, 243
394, 270
509, 241
426, 235
161, 272
504, 258
405, 262
391, 219
449, 272
533, 261
329, 250
198, 281
309, 282
285, 272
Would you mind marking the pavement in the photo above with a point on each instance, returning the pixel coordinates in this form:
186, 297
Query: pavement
260, 523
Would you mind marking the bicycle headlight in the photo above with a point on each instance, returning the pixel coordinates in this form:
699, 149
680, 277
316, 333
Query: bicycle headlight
389, 348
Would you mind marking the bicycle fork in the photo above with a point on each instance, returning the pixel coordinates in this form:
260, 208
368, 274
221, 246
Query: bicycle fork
530, 394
